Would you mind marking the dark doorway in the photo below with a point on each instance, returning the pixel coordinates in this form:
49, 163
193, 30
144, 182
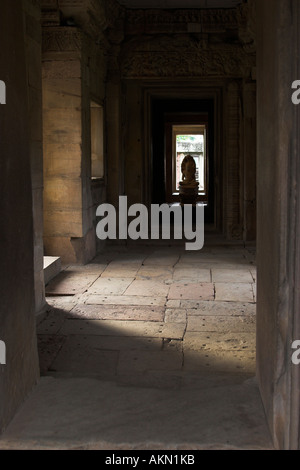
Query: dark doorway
180, 110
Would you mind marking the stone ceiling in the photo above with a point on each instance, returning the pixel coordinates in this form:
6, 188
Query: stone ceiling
180, 3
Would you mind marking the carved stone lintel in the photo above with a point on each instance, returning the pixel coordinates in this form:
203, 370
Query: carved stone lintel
226, 62
61, 39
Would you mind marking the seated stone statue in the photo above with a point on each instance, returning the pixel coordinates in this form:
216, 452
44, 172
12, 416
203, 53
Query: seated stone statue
188, 170
188, 187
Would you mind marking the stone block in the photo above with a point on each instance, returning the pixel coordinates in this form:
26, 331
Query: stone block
105, 312
67, 283
219, 308
221, 324
192, 291
110, 286
196, 274
130, 300
175, 315
147, 288
62, 159
142, 361
123, 328
231, 292
62, 194
59, 227
231, 276
83, 357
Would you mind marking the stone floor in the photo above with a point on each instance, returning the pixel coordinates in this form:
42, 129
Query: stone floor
148, 348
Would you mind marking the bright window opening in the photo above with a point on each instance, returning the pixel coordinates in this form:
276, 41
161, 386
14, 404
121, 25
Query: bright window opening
190, 140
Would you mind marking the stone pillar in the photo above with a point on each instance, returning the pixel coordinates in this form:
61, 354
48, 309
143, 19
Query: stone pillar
67, 233
34, 79
278, 249
17, 318
249, 152
233, 181
115, 159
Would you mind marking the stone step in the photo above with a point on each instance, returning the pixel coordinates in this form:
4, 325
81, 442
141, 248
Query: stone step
52, 267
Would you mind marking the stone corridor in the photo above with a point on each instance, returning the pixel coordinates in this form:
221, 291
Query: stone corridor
148, 347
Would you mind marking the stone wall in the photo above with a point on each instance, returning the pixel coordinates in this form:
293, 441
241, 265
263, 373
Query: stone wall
17, 316
278, 237
74, 72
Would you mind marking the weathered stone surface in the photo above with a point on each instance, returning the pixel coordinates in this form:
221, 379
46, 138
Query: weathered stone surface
161, 259
123, 300
53, 321
221, 324
197, 274
142, 361
148, 288
234, 292
83, 358
193, 291
219, 308
175, 315
173, 304
48, 348
69, 283
226, 361
110, 286
105, 312
231, 276
120, 270
123, 328
92, 268
228, 341
154, 272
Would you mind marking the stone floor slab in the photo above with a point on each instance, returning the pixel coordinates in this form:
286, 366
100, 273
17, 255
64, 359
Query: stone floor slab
221, 324
126, 300
81, 358
123, 328
48, 348
232, 292
231, 276
142, 361
118, 312
197, 274
120, 270
52, 321
202, 341
154, 272
220, 308
175, 315
212, 362
192, 291
147, 288
69, 283
108, 416
110, 286
162, 259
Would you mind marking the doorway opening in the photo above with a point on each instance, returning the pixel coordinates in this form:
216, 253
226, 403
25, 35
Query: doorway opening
181, 127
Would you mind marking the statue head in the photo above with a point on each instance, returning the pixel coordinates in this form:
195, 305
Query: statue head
188, 169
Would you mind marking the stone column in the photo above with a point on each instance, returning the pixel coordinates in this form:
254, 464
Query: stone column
67, 230
115, 171
233, 181
249, 152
